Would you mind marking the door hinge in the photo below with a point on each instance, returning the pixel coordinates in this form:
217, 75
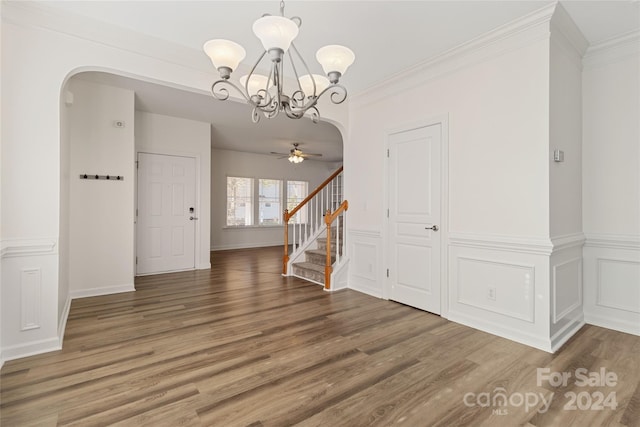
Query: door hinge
137, 164
136, 212
387, 152
387, 272
387, 213
136, 260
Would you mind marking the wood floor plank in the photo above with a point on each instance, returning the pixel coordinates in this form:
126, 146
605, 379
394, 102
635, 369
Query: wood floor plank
240, 345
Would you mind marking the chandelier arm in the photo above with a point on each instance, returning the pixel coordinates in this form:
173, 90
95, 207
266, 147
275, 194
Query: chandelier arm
306, 67
338, 95
336, 89
292, 114
315, 114
223, 92
246, 84
255, 116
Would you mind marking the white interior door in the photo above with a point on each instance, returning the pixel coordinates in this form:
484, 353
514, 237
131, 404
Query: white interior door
166, 213
414, 217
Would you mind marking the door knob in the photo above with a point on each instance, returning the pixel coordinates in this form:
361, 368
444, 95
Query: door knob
193, 218
434, 228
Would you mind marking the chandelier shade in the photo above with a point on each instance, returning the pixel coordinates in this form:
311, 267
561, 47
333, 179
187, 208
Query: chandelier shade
307, 84
275, 32
224, 53
267, 94
257, 82
335, 58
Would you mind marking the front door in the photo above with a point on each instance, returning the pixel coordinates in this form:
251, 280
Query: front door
166, 213
414, 217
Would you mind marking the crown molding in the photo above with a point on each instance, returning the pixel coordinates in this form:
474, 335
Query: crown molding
612, 50
562, 23
566, 35
513, 35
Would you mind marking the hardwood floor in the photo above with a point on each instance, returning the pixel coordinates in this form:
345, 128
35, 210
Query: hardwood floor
242, 346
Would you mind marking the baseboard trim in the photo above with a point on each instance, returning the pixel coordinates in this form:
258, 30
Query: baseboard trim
364, 290
31, 349
614, 324
62, 325
563, 335
540, 343
96, 292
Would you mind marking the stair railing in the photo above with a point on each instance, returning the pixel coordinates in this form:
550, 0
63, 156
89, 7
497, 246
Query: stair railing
329, 218
306, 219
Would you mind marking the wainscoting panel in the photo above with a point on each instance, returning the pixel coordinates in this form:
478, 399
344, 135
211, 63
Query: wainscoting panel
612, 282
615, 279
30, 298
567, 288
365, 265
501, 286
567, 309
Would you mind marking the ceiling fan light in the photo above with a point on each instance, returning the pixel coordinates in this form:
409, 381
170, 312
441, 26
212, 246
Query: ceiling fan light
307, 84
335, 58
275, 32
224, 53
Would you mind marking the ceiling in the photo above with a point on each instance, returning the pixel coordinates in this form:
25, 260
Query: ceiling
387, 37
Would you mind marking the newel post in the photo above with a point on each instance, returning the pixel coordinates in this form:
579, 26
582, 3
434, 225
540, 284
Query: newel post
285, 258
328, 268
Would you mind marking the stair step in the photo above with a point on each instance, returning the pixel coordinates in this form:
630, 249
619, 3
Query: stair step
319, 256
322, 245
309, 271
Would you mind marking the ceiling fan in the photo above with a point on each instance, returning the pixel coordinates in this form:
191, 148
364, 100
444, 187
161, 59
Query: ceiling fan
296, 155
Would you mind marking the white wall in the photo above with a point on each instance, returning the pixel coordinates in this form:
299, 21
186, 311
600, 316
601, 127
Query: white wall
611, 184
64, 297
101, 238
565, 178
160, 134
226, 163
496, 224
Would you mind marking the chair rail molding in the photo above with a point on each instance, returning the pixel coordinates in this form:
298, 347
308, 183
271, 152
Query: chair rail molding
613, 241
28, 247
523, 244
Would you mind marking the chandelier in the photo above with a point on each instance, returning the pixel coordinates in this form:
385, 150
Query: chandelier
266, 93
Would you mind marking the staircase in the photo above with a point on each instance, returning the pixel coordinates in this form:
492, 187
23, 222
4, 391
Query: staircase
314, 229
313, 266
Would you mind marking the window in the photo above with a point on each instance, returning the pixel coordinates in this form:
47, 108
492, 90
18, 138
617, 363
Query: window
296, 193
239, 197
264, 199
270, 202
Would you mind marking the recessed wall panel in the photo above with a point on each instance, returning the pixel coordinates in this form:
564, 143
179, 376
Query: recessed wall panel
500, 287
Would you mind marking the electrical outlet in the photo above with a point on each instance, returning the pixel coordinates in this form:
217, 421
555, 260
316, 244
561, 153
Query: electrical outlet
491, 294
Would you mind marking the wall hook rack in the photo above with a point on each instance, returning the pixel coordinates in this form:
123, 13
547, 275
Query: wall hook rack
106, 177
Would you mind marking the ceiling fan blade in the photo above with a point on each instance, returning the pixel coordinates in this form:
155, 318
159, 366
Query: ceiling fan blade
311, 155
